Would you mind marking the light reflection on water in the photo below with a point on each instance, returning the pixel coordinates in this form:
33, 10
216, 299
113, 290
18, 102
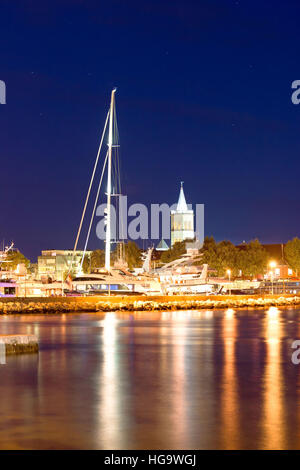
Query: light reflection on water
161, 380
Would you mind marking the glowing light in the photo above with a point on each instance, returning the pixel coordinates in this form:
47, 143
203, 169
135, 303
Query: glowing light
208, 313
229, 313
181, 316
272, 264
109, 331
273, 312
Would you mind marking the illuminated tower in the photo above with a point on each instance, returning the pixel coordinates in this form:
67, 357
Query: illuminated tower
182, 221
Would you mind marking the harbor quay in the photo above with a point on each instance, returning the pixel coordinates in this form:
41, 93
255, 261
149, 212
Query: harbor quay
18, 344
141, 303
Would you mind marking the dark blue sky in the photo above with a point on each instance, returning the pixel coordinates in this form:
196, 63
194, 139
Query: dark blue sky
204, 96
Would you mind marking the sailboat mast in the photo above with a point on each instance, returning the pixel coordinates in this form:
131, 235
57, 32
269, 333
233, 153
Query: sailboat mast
108, 214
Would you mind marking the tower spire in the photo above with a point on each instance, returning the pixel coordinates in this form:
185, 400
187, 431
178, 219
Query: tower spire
181, 205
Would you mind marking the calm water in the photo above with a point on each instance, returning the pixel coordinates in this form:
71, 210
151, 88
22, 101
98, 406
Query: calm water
205, 380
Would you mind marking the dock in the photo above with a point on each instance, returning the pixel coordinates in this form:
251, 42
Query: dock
18, 344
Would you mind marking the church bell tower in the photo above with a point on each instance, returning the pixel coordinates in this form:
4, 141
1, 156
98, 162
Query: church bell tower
182, 221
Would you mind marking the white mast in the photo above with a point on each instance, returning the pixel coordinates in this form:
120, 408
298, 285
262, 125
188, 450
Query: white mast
110, 144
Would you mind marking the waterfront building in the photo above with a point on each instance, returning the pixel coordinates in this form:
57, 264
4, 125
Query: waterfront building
55, 264
30, 288
182, 221
275, 252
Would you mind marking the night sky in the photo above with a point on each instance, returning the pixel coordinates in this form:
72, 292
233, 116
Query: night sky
204, 97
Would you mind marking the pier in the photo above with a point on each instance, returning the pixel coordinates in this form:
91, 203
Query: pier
18, 344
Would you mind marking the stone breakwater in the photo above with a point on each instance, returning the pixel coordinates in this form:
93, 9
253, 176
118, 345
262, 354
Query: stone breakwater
19, 344
138, 303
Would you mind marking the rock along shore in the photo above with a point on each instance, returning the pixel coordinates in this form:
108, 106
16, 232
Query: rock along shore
140, 303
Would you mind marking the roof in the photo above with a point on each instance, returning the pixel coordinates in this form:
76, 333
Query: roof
162, 246
64, 252
181, 205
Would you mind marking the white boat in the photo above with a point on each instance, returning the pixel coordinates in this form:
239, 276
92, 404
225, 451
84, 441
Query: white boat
116, 282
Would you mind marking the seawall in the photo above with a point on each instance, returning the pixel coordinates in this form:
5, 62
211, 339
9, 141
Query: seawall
18, 344
140, 303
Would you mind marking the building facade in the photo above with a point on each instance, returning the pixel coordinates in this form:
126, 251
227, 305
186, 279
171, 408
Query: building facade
55, 264
182, 221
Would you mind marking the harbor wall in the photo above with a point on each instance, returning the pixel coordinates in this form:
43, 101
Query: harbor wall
18, 344
140, 303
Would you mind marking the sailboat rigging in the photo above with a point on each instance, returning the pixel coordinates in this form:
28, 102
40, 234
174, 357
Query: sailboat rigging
113, 278
112, 167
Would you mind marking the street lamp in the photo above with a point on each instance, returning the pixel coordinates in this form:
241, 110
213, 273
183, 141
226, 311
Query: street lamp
272, 265
229, 274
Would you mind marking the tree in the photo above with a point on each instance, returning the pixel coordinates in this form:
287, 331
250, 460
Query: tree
14, 258
132, 255
174, 252
252, 260
292, 254
226, 258
86, 265
219, 256
97, 259
209, 252
93, 261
